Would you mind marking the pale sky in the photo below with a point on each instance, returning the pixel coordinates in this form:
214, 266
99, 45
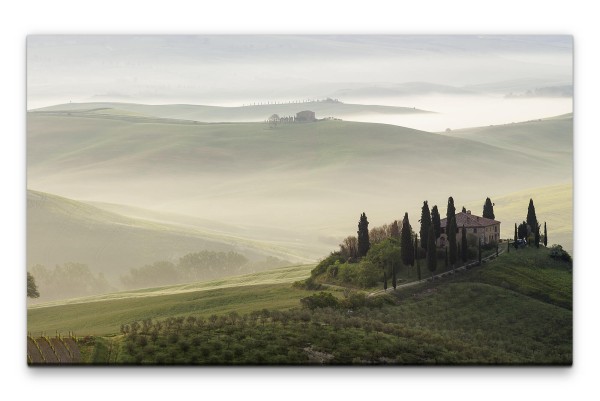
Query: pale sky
233, 69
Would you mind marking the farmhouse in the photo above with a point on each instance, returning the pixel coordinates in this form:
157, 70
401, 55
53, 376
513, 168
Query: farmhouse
305, 116
487, 230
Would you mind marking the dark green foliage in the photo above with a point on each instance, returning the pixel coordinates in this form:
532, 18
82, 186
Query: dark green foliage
537, 235
431, 253
435, 220
385, 280
32, 291
395, 230
452, 254
406, 243
445, 257
325, 263
320, 300
464, 245
545, 235
425, 223
464, 210
557, 252
417, 259
363, 235
523, 231
394, 278
451, 210
516, 235
531, 217
516, 312
488, 209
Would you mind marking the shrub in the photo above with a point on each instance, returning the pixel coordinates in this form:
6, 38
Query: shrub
325, 263
557, 252
368, 274
320, 300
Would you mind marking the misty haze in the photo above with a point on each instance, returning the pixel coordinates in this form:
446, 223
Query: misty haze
160, 166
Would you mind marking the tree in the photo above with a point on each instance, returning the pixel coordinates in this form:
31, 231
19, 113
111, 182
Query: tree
545, 235
384, 281
425, 223
464, 246
464, 210
446, 258
516, 236
431, 253
407, 251
416, 248
531, 218
394, 279
452, 229
450, 211
394, 230
363, 235
537, 236
435, 221
32, 291
488, 209
523, 230
349, 247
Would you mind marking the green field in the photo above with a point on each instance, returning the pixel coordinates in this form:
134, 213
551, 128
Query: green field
103, 314
514, 310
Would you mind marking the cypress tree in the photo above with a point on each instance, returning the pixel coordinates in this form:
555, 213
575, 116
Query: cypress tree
531, 218
545, 235
407, 251
425, 223
431, 254
435, 221
488, 209
464, 246
446, 258
452, 241
384, 281
537, 236
363, 235
516, 237
464, 210
450, 211
417, 259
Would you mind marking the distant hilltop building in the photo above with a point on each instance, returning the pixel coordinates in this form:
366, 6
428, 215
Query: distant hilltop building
305, 116
487, 230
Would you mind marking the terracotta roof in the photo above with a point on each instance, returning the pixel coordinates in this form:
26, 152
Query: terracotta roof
470, 220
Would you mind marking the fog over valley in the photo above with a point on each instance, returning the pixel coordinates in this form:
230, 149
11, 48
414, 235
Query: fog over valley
148, 149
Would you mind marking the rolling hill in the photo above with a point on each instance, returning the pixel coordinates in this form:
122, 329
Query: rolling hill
62, 230
224, 114
151, 189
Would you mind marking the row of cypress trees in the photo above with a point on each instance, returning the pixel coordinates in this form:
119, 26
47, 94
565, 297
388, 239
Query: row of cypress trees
530, 226
430, 231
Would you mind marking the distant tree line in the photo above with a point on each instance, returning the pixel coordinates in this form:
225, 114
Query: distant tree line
69, 280
196, 266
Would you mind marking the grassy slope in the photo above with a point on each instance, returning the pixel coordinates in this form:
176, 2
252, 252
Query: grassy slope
103, 314
516, 309
547, 138
61, 230
553, 205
